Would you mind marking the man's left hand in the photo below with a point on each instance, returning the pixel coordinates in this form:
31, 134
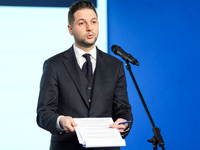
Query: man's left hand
120, 127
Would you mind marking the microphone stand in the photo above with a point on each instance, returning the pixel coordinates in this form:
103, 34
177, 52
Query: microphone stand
157, 138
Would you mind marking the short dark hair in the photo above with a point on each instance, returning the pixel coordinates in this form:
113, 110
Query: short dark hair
78, 6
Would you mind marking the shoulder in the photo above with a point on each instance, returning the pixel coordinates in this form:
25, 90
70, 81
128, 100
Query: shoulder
109, 58
60, 56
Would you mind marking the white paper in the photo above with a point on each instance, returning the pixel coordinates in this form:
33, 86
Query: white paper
96, 132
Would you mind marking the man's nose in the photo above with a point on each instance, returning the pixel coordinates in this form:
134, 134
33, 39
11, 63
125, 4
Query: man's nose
89, 27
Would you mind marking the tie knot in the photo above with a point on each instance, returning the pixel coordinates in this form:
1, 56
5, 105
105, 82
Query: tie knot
87, 56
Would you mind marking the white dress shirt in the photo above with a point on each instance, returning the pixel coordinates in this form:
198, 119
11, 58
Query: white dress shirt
81, 60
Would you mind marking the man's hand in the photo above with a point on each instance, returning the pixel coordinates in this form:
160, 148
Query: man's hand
120, 127
67, 123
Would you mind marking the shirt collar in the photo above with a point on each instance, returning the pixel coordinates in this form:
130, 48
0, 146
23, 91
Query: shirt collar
79, 53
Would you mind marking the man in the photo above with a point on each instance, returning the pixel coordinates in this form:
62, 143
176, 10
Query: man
67, 92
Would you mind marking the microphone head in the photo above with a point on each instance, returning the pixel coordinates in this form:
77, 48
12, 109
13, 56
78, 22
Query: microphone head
114, 49
117, 50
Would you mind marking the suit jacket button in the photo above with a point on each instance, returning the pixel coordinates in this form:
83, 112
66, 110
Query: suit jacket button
89, 88
89, 100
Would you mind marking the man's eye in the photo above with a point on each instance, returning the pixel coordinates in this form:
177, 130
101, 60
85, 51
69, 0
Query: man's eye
81, 23
93, 22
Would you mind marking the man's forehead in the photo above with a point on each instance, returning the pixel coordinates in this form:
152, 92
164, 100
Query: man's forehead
85, 14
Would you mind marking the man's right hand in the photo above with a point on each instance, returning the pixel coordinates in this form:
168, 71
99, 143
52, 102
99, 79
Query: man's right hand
67, 123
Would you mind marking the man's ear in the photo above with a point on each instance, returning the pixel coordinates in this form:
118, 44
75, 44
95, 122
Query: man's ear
70, 29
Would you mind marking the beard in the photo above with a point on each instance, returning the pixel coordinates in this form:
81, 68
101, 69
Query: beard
84, 43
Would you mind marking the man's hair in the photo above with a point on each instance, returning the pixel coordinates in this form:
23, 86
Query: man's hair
78, 6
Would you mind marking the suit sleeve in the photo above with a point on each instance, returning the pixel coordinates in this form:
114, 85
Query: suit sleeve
121, 105
48, 99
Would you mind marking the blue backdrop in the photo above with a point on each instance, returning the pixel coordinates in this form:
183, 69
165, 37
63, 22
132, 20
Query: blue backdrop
165, 38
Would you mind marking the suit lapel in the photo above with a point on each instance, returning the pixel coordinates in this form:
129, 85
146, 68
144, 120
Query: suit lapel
99, 75
74, 71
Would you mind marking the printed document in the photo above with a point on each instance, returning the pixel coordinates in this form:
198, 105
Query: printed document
95, 132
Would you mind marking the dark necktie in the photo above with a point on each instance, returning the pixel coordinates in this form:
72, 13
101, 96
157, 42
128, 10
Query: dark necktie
87, 67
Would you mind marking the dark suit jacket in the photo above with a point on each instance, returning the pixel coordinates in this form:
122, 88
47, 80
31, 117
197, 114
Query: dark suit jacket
62, 92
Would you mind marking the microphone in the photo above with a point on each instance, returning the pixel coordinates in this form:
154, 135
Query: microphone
127, 57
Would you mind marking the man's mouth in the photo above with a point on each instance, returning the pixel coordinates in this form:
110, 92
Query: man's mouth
90, 36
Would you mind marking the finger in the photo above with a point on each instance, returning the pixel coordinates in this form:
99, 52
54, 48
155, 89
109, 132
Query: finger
71, 128
67, 124
121, 127
114, 125
71, 124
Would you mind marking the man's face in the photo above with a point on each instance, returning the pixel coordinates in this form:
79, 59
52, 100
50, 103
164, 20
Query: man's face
85, 28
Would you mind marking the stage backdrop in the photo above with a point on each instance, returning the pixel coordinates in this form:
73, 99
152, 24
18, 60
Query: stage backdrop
31, 32
165, 38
